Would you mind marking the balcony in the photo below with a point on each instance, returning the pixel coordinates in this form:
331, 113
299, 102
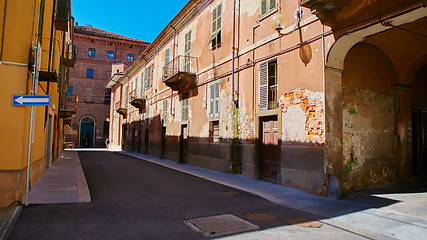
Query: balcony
62, 15
48, 76
120, 110
69, 59
180, 73
70, 107
325, 10
138, 100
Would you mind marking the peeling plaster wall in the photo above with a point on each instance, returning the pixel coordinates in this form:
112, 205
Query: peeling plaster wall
303, 116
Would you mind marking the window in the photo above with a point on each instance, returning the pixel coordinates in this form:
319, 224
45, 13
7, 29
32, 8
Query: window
214, 100
91, 52
187, 53
215, 39
184, 116
89, 73
107, 96
110, 55
214, 131
74, 51
268, 85
70, 92
148, 76
267, 7
130, 57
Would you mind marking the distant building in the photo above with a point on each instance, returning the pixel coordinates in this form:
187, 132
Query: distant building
96, 51
23, 24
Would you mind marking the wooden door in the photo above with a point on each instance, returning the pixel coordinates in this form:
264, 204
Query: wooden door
419, 141
269, 149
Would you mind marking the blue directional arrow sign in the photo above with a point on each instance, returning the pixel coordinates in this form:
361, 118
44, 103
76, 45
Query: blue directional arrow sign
31, 100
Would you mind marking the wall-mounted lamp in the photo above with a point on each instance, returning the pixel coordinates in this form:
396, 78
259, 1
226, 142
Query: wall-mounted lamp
278, 23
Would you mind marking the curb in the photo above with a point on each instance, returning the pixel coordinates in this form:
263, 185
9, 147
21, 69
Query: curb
11, 224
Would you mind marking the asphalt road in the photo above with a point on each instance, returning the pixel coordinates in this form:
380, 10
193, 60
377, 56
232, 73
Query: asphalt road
134, 199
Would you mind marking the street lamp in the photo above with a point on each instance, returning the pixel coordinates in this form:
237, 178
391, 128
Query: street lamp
278, 23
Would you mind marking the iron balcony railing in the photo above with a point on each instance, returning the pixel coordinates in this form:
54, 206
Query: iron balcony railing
136, 94
71, 103
181, 64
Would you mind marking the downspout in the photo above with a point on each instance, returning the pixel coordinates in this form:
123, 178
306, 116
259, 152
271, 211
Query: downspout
61, 86
233, 52
235, 158
2, 31
173, 65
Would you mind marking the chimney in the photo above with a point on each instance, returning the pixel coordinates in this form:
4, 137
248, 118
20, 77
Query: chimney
77, 24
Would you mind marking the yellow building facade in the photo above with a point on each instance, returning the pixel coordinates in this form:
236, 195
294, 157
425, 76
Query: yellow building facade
24, 24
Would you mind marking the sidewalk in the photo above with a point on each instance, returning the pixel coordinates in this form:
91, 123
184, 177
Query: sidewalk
64, 182
378, 218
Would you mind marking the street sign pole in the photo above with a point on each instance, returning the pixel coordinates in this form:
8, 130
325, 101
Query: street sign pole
31, 130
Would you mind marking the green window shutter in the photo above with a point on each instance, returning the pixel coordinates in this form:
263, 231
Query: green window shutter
142, 80
187, 53
263, 9
211, 102
165, 110
214, 28
126, 96
218, 20
136, 83
146, 78
216, 96
41, 17
273, 5
263, 86
167, 56
150, 76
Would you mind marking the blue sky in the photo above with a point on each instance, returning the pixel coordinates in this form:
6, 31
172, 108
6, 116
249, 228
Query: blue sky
139, 19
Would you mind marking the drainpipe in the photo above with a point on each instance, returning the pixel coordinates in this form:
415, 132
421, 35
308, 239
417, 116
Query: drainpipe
2, 31
233, 52
235, 158
173, 65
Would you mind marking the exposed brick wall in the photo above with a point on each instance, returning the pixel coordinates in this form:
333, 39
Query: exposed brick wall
91, 91
303, 106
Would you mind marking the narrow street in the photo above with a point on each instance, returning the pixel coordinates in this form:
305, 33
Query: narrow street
134, 199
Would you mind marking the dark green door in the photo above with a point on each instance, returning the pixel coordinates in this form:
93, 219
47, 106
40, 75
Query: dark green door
87, 127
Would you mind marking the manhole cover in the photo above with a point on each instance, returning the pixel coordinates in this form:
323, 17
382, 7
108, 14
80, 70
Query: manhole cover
230, 193
305, 222
220, 225
261, 217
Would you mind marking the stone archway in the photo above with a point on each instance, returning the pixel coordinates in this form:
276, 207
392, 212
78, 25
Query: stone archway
337, 150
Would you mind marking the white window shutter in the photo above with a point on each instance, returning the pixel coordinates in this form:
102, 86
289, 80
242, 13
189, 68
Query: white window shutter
263, 86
